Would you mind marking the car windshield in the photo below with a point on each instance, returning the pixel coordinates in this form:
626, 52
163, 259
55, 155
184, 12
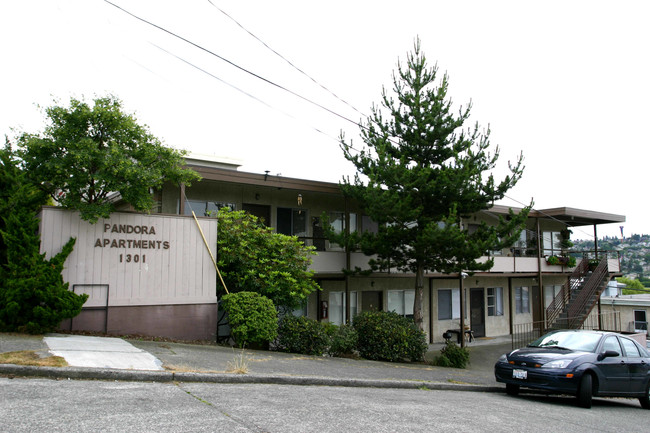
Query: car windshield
579, 341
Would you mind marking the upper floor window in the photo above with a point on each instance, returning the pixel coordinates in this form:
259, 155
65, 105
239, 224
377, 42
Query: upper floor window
292, 222
551, 243
206, 208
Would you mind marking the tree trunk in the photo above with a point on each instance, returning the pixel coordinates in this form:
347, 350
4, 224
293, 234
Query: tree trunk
418, 317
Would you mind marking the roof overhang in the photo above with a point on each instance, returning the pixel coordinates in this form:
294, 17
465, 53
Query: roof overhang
568, 215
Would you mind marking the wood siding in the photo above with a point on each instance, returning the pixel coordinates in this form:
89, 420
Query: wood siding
133, 259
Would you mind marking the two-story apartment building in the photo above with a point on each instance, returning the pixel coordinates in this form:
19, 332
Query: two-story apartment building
517, 290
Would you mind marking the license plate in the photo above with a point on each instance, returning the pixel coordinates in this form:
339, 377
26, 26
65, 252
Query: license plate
519, 374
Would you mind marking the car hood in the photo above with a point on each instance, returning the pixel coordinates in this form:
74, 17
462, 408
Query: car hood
542, 355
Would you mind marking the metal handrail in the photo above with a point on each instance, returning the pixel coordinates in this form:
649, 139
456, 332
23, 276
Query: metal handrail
562, 298
578, 308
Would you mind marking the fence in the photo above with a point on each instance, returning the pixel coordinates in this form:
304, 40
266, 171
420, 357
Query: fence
525, 333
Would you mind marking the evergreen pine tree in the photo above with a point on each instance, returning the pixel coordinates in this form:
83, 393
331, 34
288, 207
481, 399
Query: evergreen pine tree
33, 296
423, 174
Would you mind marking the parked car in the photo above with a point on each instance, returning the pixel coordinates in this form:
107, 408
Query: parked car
581, 363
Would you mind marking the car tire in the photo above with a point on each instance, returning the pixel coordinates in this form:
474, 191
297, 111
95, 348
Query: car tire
585, 391
512, 389
645, 400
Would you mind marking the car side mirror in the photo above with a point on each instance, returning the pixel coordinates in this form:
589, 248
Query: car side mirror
608, 354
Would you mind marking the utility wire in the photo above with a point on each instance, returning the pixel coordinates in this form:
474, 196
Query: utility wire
240, 90
285, 59
234, 64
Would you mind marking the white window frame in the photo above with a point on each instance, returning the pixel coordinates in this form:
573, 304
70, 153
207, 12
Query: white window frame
522, 306
453, 306
495, 301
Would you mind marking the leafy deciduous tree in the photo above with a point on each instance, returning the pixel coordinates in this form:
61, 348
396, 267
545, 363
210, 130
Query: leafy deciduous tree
423, 172
251, 257
88, 152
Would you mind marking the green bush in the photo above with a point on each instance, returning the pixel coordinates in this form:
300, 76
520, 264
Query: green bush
387, 336
452, 355
302, 335
344, 340
252, 317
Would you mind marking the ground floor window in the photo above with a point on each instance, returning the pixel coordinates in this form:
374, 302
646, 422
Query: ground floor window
550, 292
206, 208
495, 301
640, 321
337, 307
401, 302
522, 300
448, 304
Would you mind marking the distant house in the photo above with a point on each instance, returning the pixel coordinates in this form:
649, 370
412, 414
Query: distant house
521, 288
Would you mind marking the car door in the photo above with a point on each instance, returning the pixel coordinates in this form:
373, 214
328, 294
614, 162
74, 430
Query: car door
614, 369
637, 366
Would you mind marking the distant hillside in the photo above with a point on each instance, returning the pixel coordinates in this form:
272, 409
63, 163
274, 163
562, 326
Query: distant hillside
634, 251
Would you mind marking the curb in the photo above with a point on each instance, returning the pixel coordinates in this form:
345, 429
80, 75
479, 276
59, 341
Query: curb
78, 373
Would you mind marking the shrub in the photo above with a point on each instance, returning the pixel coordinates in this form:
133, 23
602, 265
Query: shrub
252, 317
344, 340
388, 336
452, 355
302, 335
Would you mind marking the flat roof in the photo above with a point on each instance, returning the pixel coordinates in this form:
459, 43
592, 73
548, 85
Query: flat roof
568, 215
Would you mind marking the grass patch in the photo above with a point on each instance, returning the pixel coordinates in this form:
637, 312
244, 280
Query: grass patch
30, 357
239, 365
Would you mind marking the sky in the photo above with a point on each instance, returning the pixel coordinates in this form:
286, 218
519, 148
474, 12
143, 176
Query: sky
274, 84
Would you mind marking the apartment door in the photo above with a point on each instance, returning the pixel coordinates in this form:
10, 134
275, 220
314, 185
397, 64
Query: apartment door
259, 210
371, 301
477, 312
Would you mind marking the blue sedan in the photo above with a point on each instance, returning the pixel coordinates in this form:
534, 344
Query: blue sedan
580, 363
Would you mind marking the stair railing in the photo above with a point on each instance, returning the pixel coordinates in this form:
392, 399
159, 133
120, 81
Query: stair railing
582, 305
562, 298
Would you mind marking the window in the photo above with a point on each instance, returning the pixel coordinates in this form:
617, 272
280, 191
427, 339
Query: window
551, 243
631, 351
206, 208
401, 302
448, 304
640, 321
337, 221
611, 343
495, 301
522, 300
550, 292
337, 304
292, 222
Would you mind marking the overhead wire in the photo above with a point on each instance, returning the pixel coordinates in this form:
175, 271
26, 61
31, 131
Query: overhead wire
285, 59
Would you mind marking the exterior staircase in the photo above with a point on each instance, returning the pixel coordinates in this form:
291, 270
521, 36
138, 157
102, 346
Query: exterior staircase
578, 296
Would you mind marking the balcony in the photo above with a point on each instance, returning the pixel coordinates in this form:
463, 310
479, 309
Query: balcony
334, 262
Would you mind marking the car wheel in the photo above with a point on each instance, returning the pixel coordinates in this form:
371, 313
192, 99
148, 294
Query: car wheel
585, 391
645, 400
512, 389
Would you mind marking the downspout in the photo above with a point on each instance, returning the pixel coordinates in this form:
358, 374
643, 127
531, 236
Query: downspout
539, 272
430, 311
347, 261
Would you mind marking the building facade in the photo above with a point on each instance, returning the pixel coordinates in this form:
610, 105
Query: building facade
517, 290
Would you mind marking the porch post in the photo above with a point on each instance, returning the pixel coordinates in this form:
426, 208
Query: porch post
181, 201
461, 277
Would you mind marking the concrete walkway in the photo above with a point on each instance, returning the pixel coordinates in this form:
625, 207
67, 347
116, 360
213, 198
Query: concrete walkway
101, 352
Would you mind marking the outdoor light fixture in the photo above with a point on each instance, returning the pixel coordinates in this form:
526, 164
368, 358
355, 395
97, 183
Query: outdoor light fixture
299, 199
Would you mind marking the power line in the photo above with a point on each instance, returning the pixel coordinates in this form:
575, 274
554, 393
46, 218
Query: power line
239, 89
285, 59
234, 64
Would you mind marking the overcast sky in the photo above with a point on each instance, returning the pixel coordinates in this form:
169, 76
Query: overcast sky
565, 82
